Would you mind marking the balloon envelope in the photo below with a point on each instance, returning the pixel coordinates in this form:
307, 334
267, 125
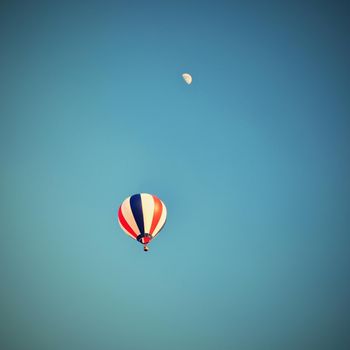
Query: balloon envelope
142, 216
187, 77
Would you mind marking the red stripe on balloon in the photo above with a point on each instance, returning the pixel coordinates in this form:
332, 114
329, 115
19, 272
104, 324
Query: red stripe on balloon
124, 223
157, 213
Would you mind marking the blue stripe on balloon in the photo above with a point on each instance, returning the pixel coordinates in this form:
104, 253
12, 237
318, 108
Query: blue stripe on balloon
136, 208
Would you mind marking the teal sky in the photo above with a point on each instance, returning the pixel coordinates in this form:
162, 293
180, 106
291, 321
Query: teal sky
251, 160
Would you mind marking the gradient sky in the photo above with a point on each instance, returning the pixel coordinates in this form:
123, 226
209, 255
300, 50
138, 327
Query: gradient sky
252, 161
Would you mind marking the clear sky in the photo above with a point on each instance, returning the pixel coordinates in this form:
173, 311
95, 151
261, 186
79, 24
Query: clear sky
252, 161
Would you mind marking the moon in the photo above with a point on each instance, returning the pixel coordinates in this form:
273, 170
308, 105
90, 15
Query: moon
187, 77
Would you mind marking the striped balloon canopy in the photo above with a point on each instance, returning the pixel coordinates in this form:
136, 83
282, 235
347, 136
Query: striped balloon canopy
142, 216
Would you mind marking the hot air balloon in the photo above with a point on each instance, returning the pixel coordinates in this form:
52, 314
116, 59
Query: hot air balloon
141, 217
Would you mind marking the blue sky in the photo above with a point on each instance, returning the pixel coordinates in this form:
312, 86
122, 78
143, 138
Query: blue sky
252, 161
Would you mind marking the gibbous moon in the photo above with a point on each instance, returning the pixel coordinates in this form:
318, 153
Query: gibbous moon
187, 77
